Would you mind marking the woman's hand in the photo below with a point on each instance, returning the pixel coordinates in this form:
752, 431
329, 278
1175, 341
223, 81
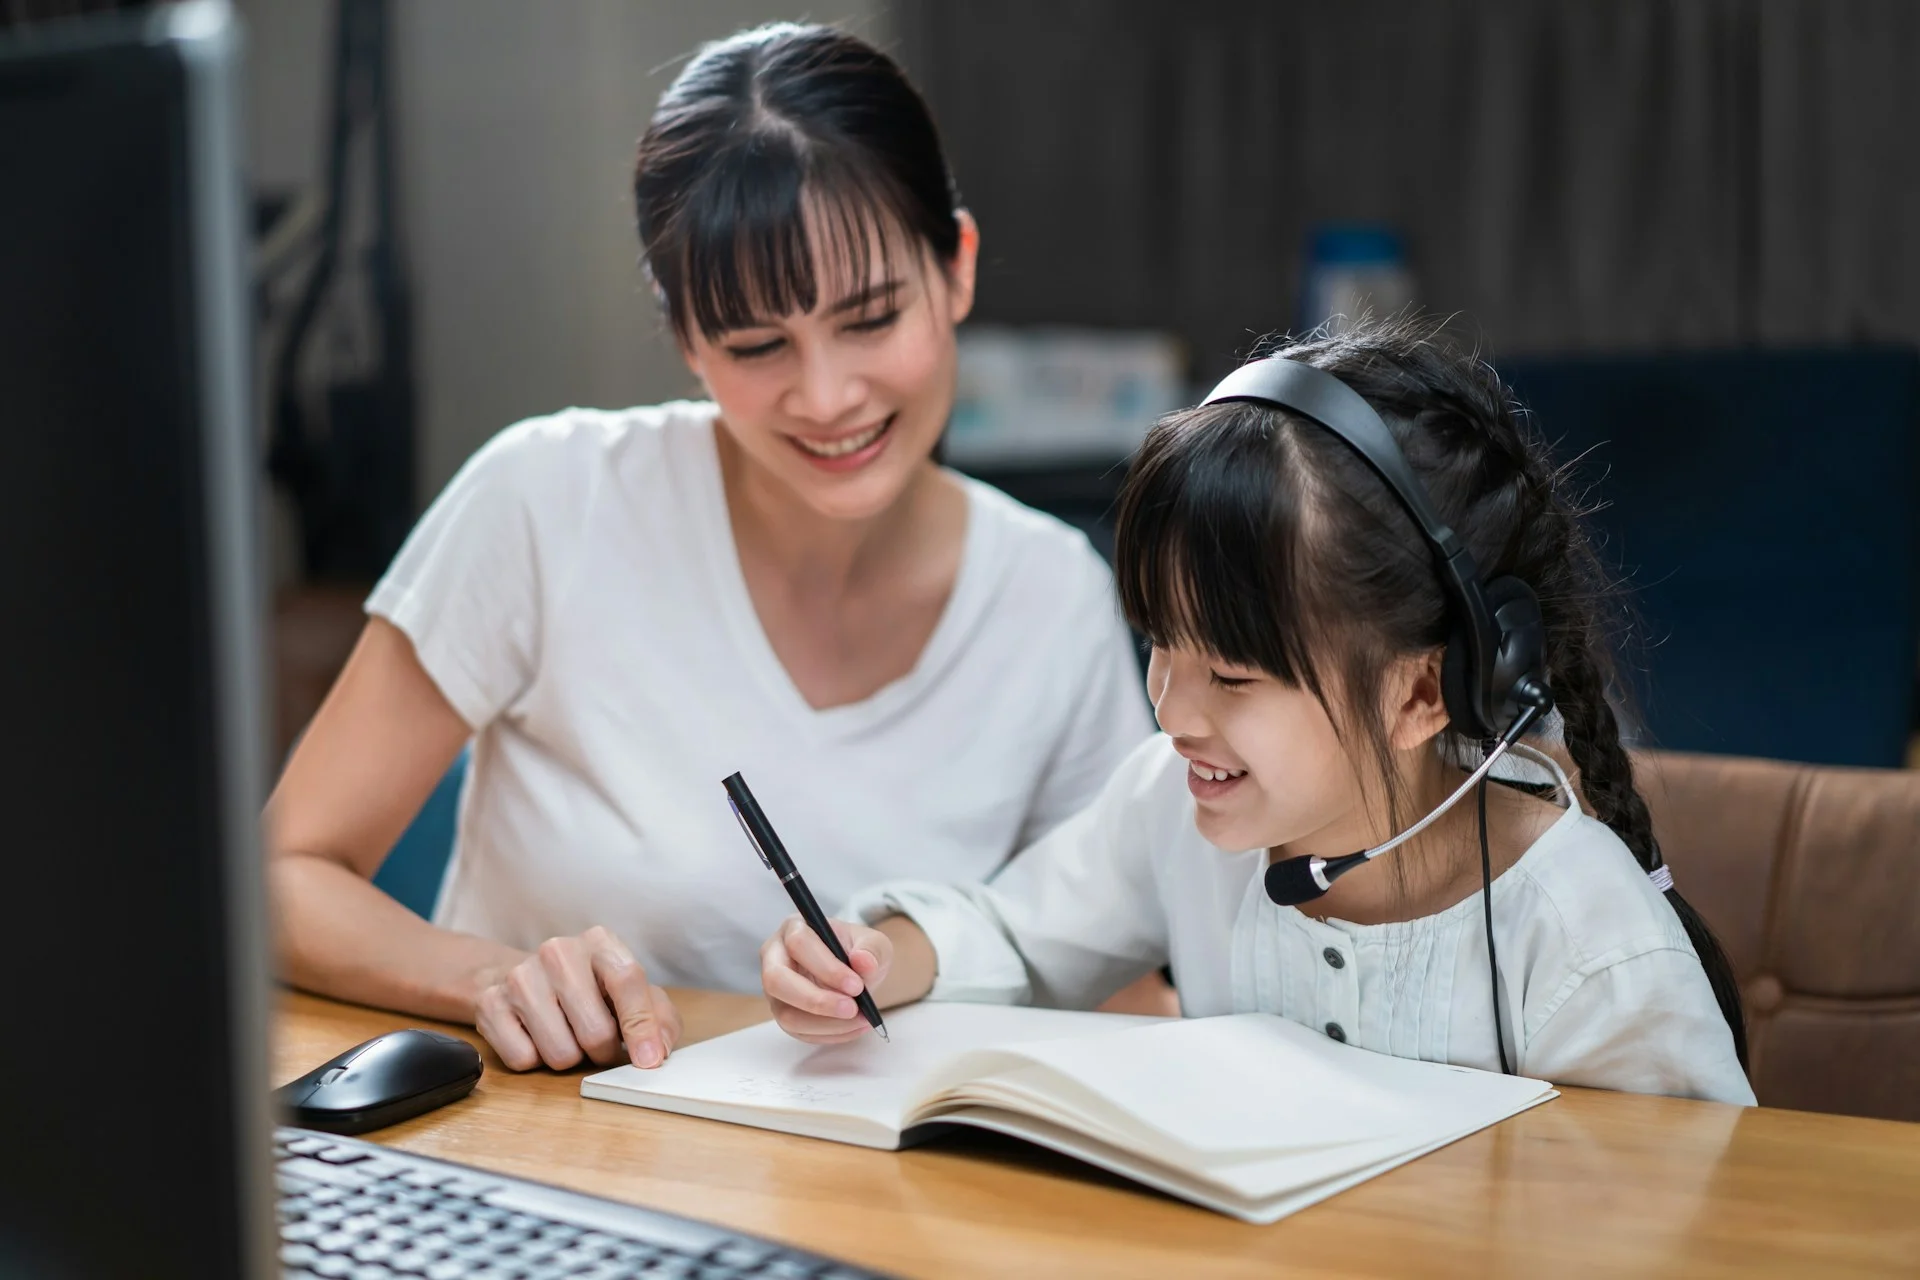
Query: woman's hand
810, 991
577, 997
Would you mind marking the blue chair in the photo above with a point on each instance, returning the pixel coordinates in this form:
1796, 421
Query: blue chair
417, 864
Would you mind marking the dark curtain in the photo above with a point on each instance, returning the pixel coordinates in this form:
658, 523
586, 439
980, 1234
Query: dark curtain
1602, 174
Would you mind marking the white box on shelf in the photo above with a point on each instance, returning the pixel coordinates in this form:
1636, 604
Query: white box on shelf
1053, 395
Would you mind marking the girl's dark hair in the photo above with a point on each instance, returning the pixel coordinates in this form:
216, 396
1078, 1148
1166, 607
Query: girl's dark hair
763, 133
1265, 540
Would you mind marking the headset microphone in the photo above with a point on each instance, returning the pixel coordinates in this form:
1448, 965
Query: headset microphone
1292, 881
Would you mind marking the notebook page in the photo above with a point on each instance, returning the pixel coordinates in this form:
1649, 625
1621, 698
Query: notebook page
1260, 1191
1252, 1084
762, 1076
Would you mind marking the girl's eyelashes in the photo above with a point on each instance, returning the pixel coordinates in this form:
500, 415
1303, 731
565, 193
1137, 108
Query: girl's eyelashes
1229, 682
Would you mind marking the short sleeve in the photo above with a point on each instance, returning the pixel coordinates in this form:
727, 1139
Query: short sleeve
1645, 1024
466, 586
1109, 715
1071, 921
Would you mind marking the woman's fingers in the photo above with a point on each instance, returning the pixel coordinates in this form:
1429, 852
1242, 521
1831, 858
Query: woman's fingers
531, 998
496, 1020
572, 971
643, 1010
669, 1015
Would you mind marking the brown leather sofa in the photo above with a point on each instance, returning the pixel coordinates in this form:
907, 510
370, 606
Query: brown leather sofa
1810, 876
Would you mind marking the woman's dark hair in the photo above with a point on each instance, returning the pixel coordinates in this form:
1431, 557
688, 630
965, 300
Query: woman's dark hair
763, 133
1264, 539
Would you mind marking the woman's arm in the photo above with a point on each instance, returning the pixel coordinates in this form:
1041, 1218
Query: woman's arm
382, 739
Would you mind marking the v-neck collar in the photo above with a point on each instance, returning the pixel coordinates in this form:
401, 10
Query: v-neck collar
750, 634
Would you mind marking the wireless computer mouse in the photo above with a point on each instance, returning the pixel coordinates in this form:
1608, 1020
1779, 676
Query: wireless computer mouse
388, 1079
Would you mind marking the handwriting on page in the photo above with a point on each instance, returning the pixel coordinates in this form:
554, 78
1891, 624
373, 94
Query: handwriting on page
805, 1093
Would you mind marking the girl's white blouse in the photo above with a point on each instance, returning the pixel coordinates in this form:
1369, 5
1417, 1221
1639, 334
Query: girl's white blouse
1599, 984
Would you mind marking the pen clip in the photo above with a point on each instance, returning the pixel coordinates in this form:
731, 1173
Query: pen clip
740, 818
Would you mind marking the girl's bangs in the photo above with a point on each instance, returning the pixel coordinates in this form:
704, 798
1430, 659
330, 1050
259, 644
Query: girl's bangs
1194, 549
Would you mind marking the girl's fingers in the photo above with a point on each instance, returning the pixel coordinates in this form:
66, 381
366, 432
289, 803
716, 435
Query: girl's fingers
811, 957
799, 992
818, 1030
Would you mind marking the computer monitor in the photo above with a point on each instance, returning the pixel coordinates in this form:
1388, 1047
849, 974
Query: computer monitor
134, 1123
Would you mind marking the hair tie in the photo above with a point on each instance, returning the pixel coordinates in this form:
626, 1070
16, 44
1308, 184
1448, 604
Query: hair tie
1662, 878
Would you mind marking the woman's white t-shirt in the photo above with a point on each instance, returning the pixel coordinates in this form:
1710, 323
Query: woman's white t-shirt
576, 595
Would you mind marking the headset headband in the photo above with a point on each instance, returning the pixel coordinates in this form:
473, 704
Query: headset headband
1322, 398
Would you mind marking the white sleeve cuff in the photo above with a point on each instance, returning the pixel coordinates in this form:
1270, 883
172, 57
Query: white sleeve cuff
974, 962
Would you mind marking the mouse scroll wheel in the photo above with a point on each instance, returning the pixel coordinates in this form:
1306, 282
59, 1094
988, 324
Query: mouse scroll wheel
332, 1075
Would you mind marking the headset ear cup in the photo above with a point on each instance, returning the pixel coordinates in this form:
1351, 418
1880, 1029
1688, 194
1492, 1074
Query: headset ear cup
1457, 684
1520, 650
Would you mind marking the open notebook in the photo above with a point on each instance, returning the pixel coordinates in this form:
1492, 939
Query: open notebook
1250, 1115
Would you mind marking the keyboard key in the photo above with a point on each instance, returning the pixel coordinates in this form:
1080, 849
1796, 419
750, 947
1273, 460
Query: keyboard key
743, 1254
334, 1266
297, 1255
314, 1171
610, 1270
786, 1267
293, 1185
307, 1145
301, 1232
370, 1271
341, 1155
373, 1251
446, 1269
336, 1242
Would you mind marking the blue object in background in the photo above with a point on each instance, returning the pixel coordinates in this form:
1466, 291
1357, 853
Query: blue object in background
417, 863
1766, 507
1353, 268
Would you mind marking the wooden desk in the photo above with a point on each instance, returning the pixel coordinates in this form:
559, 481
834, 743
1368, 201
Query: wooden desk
1589, 1183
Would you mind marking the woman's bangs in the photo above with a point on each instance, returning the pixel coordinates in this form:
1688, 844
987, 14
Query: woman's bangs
767, 234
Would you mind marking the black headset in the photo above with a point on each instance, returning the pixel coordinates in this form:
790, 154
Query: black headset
1495, 663
1493, 676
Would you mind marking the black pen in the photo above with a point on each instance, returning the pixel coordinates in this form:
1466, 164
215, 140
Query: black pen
774, 855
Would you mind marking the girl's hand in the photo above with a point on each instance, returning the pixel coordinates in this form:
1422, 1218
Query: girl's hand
583, 996
812, 993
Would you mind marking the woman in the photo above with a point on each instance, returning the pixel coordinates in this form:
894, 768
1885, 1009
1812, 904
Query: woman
917, 675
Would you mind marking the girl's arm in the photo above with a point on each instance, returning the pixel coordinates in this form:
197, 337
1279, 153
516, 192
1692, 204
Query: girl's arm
1647, 1023
1071, 921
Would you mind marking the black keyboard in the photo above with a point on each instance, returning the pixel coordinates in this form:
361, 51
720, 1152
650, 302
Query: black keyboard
355, 1211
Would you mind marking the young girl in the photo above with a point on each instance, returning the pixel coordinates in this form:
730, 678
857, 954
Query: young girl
1299, 627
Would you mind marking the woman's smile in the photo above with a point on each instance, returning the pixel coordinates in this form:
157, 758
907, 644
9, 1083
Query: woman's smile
848, 451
